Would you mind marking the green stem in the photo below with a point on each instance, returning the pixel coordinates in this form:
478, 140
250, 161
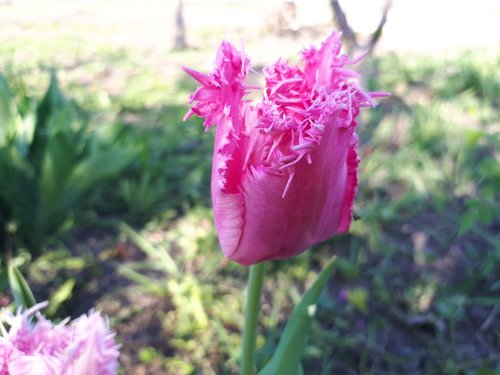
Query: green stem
252, 308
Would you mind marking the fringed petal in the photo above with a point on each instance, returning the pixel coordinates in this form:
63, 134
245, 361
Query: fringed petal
351, 185
284, 173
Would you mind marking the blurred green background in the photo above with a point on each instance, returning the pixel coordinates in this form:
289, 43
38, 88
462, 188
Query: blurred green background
105, 193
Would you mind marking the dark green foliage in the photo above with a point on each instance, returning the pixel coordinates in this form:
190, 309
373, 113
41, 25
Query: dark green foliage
171, 170
50, 163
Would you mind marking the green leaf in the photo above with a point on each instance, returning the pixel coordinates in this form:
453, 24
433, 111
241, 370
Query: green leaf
20, 290
286, 358
62, 294
52, 100
358, 297
50, 164
160, 254
147, 355
59, 163
84, 177
7, 111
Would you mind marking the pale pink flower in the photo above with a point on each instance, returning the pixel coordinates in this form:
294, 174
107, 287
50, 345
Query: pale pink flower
284, 172
35, 346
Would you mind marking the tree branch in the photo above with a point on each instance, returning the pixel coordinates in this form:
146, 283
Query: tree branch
349, 34
341, 21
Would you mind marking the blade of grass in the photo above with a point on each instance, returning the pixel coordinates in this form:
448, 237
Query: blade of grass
150, 250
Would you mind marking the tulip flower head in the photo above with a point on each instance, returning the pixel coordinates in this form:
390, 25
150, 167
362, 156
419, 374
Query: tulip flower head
83, 347
284, 172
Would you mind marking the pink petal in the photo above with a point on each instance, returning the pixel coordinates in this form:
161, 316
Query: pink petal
351, 185
284, 172
93, 350
42, 348
38, 364
261, 224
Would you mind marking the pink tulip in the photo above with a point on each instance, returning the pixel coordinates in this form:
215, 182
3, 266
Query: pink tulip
84, 347
284, 172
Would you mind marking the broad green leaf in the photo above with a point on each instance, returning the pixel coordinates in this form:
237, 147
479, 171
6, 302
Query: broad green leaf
286, 358
100, 166
85, 176
53, 98
51, 101
7, 111
20, 290
59, 163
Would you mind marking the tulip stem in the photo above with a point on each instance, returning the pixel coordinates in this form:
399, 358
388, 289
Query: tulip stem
252, 308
